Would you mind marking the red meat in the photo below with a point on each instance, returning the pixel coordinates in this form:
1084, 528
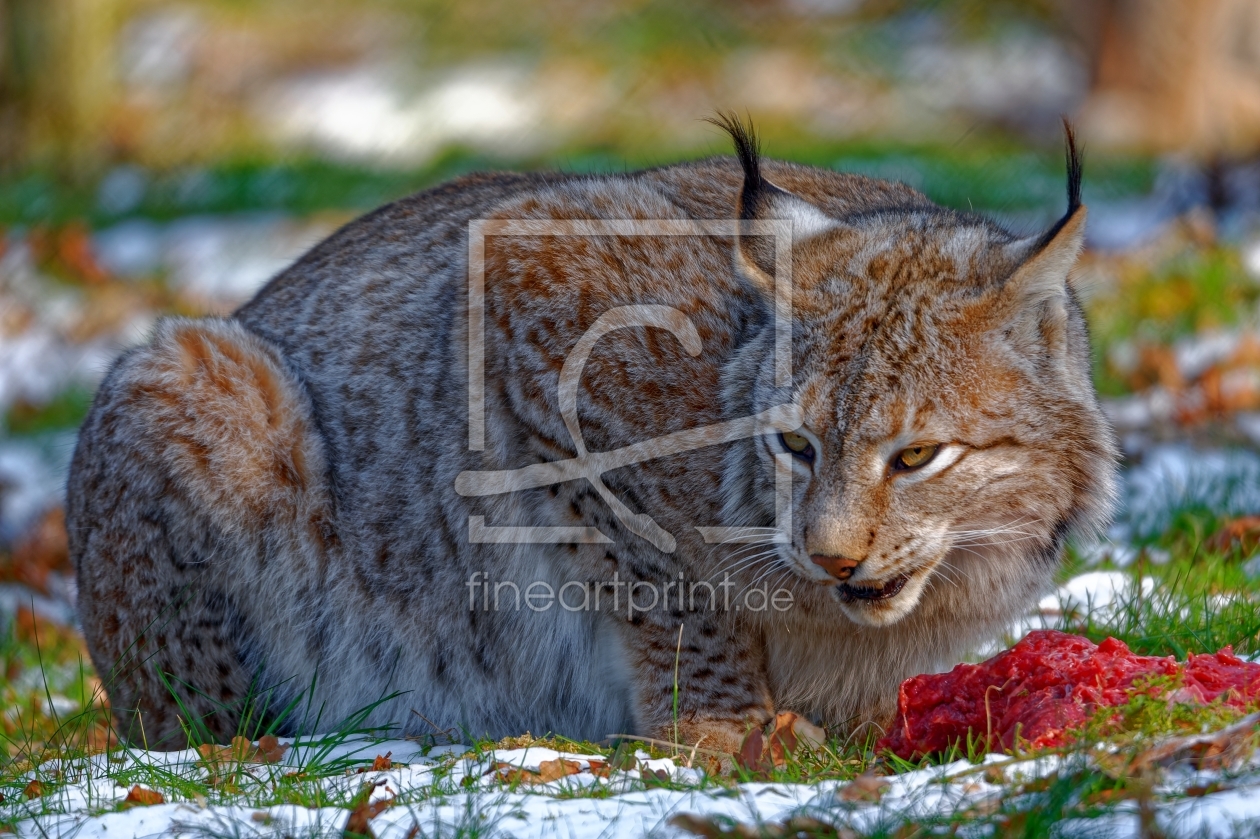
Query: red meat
1045, 686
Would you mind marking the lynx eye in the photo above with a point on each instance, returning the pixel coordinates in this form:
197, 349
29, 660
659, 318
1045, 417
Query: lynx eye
797, 444
915, 456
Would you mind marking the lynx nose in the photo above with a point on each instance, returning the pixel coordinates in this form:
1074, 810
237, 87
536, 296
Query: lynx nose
840, 567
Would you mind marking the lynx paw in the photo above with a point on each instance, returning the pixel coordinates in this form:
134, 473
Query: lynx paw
754, 746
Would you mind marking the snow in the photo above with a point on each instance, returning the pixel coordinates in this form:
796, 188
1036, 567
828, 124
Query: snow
369, 113
1101, 594
469, 794
32, 475
1176, 477
218, 260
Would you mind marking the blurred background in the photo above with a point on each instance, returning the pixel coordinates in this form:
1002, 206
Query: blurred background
163, 156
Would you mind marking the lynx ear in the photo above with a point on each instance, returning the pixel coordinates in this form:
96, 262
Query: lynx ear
1035, 297
760, 200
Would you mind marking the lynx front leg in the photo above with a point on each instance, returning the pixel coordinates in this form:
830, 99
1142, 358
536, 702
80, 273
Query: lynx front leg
722, 691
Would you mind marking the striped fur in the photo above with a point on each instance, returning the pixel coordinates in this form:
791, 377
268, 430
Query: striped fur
267, 500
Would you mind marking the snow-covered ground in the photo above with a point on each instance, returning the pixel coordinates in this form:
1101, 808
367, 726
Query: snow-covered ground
449, 793
212, 264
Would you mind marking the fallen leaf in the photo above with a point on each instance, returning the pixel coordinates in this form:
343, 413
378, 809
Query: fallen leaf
510, 774
213, 755
1200, 791
242, 749
139, 796
658, 775
34, 789
698, 826
751, 755
553, 770
782, 739
548, 770
364, 811
379, 764
863, 788
271, 750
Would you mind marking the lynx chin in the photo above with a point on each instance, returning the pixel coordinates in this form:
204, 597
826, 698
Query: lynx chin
266, 504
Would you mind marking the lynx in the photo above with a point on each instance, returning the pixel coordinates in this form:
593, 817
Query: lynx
299, 501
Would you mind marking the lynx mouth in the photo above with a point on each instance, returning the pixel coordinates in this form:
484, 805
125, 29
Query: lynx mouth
852, 592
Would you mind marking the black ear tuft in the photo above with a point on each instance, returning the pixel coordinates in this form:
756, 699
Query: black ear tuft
1073, 167
1073, 155
748, 150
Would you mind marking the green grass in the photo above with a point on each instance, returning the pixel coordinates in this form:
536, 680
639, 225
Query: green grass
1196, 289
983, 174
64, 412
1202, 601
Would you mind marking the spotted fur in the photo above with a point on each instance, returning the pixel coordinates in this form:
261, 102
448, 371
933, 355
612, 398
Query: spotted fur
266, 502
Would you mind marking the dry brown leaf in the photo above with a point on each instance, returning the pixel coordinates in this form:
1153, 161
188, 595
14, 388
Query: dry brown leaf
863, 788
752, 753
698, 826
379, 764
548, 770
271, 750
511, 774
553, 770
760, 753
359, 823
212, 755
139, 796
216, 759
1207, 789
242, 749
34, 789
782, 739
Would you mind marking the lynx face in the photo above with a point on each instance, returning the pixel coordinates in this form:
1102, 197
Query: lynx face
951, 438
